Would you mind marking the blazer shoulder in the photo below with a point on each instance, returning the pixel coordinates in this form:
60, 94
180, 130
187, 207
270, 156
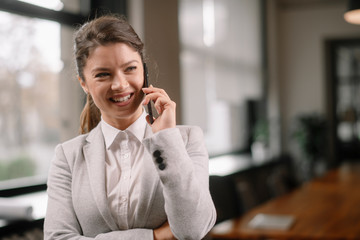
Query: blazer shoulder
67, 152
189, 129
189, 132
74, 143
81, 140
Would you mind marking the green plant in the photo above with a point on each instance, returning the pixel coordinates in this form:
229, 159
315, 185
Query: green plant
3, 170
261, 131
20, 166
310, 134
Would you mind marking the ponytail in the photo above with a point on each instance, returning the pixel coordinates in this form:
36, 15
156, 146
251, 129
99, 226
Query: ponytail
90, 116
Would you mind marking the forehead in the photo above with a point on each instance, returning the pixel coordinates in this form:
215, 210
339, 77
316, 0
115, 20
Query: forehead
114, 53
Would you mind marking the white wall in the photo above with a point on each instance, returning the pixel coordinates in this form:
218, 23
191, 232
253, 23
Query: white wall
297, 32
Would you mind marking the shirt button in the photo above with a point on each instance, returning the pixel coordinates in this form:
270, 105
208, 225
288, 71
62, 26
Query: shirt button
126, 155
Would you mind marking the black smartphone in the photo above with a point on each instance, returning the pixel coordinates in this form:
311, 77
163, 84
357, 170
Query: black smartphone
146, 84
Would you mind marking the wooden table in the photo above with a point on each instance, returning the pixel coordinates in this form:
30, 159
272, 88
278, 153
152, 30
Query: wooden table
325, 208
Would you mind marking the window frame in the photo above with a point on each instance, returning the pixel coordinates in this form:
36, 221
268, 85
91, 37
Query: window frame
30, 10
92, 8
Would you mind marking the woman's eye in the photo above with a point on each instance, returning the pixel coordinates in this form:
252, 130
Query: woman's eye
131, 68
102, 75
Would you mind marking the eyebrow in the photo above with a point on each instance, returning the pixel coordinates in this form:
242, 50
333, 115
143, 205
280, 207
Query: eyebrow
97, 69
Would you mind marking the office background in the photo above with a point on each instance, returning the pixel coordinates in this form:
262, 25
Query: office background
229, 65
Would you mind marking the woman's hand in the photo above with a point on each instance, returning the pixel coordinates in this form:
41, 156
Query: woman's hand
163, 232
164, 107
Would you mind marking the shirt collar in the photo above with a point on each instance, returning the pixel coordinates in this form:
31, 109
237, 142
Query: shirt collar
137, 129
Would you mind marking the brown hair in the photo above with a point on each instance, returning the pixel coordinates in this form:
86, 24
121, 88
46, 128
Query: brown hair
100, 32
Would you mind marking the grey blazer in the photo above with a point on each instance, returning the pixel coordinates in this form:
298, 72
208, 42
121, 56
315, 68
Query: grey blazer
175, 190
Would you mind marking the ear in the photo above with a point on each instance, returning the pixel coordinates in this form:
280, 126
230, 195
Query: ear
83, 85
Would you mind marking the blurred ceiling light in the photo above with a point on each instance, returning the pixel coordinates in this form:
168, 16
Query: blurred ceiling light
56, 5
353, 12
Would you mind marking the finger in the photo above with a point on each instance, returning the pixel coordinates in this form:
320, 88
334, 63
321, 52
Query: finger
152, 89
146, 100
148, 119
154, 97
163, 103
162, 91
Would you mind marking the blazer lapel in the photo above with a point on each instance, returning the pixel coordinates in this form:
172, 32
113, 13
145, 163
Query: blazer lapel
94, 152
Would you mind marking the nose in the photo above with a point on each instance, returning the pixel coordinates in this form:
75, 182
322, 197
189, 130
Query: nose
119, 82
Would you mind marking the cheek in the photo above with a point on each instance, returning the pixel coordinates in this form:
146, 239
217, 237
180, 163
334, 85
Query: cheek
138, 82
97, 90
141, 85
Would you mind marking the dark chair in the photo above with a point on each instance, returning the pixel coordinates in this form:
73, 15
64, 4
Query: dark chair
281, 181
225, 197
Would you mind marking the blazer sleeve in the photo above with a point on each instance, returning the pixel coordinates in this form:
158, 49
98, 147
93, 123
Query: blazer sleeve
182, 164
60, 220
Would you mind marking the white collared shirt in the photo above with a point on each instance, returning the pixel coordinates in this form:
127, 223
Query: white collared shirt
124, 156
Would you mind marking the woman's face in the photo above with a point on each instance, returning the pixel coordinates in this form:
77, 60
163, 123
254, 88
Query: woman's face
114, 77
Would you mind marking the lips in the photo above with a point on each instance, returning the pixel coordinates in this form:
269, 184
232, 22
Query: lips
121, 99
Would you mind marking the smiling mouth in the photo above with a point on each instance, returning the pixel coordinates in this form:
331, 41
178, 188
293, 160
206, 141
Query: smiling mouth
121, 99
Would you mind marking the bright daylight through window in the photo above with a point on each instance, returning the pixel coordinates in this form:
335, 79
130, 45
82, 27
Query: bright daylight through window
56, 5
29, 97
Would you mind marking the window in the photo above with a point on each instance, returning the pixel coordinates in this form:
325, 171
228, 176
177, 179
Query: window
40, 100
29, 90
221, 68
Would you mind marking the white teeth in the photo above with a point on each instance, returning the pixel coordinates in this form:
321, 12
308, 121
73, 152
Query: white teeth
123, 99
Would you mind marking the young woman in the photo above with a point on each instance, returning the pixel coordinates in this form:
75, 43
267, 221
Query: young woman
124, 177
